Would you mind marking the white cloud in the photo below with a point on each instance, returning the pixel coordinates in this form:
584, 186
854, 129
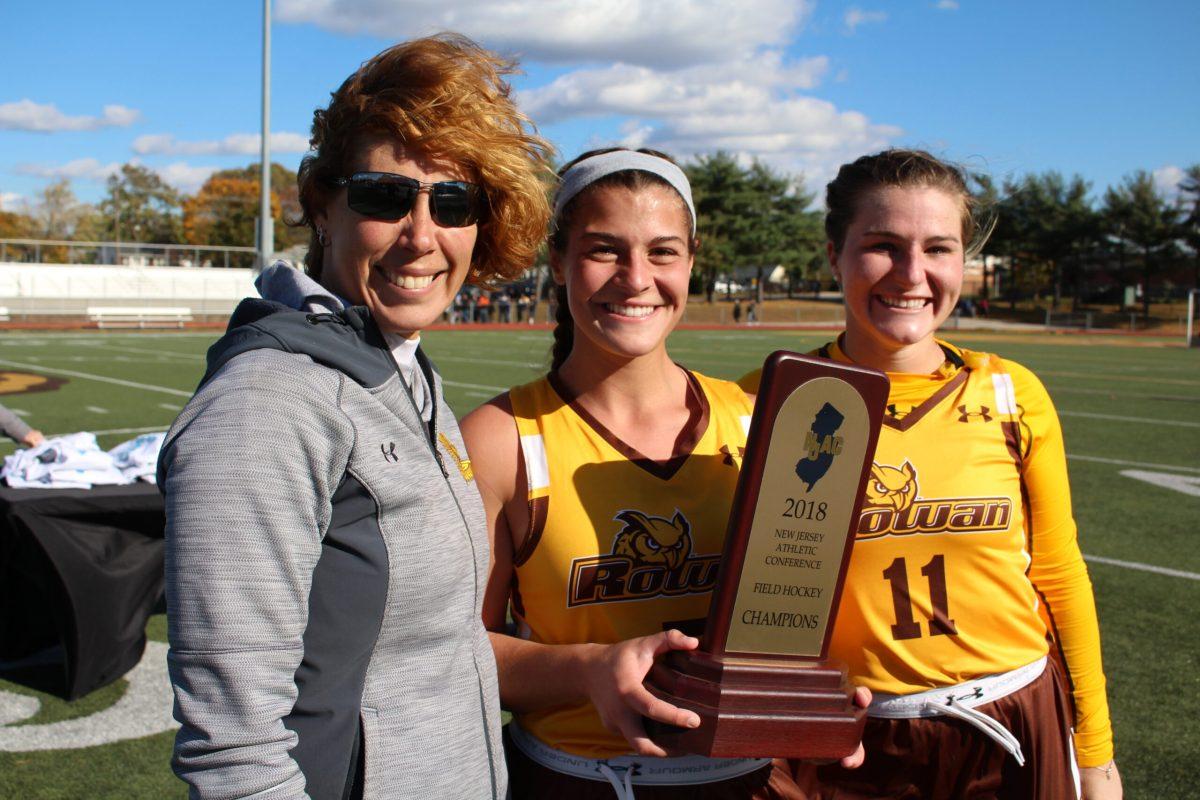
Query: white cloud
180, 175
663, 33
688, 76
185, 177
88, 169
1167, 180
26, 115
234, 144
634, 90
10, 201
855, 17
752, 109
948, 5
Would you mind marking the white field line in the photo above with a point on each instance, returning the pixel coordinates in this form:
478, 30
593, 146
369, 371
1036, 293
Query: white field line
492, 389
96, 409
1121, 463
170, 406
87, 376
1106, 393
490, 362
1115, 562
20, 412
85, 337
1118, 377
1179, 423
115, 431
7, 447
145, 351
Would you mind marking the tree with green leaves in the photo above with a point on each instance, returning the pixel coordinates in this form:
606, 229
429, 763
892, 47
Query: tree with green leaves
1046, 227
1014, 239
718, 191
751, 217
784, 231
1189, 189
139, 206
1141, 217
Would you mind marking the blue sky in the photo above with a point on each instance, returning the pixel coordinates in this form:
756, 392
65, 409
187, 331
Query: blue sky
1098, 88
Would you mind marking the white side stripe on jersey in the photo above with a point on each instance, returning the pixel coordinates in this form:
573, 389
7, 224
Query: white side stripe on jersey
533, 447
745, 419
1006, 398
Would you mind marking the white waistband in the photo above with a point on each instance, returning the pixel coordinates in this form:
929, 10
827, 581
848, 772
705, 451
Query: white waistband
632, 769
969, 695
961, 700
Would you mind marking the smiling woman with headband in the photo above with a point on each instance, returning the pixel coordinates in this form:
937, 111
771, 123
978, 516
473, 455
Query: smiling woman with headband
326, 546
607, 485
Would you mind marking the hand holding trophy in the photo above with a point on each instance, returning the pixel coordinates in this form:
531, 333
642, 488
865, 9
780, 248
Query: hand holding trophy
759, 681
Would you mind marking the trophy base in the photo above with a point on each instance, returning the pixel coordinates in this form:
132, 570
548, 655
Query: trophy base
756, 708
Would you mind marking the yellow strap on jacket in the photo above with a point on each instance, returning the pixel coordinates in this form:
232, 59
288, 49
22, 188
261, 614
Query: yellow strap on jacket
966, 562
620, 546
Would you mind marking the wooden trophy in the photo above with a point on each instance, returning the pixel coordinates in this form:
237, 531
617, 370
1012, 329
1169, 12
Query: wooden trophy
759, 681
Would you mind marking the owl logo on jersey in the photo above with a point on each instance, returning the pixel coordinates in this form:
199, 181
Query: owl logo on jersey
893, 507
651, 557
889, 487
653, 540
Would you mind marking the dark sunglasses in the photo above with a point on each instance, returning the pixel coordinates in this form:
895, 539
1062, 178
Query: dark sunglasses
386, 196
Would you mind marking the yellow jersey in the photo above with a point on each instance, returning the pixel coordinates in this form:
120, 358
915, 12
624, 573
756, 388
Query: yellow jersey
619, 545
965, 562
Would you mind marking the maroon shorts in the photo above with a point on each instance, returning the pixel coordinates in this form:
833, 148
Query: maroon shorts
529, 779
938, 758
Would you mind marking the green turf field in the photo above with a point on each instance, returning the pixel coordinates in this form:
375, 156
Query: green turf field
1126, 405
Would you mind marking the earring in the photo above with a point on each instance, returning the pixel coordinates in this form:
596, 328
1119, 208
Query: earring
322, 236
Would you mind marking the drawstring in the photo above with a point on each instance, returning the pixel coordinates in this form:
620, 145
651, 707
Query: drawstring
990, 727
624, 789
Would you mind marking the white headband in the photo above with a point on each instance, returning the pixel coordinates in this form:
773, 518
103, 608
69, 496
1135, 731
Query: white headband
590, 170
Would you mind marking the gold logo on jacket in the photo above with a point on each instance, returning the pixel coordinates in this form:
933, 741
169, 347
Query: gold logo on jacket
464, 464
892, 506
651, 557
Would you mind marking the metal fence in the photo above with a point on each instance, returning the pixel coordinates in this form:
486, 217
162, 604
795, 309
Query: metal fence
126, 254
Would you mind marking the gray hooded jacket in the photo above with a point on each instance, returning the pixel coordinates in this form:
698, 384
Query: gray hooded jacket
326, 559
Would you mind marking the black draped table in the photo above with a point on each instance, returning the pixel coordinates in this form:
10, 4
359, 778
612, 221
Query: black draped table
80, 568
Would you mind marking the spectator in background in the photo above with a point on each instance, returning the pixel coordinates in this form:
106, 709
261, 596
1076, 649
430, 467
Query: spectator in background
522, 307
18, 430
737, 312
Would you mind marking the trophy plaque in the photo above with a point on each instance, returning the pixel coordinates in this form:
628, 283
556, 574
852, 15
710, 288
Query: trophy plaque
760, 681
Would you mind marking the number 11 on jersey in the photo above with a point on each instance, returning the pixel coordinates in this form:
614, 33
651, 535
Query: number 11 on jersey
906, 626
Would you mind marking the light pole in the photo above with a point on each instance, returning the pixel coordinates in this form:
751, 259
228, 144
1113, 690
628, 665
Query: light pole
266, 225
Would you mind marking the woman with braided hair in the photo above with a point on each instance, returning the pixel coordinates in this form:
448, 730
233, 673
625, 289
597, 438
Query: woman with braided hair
607, 485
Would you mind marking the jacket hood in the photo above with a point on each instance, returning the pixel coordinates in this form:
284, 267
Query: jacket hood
346, 339
283, 283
